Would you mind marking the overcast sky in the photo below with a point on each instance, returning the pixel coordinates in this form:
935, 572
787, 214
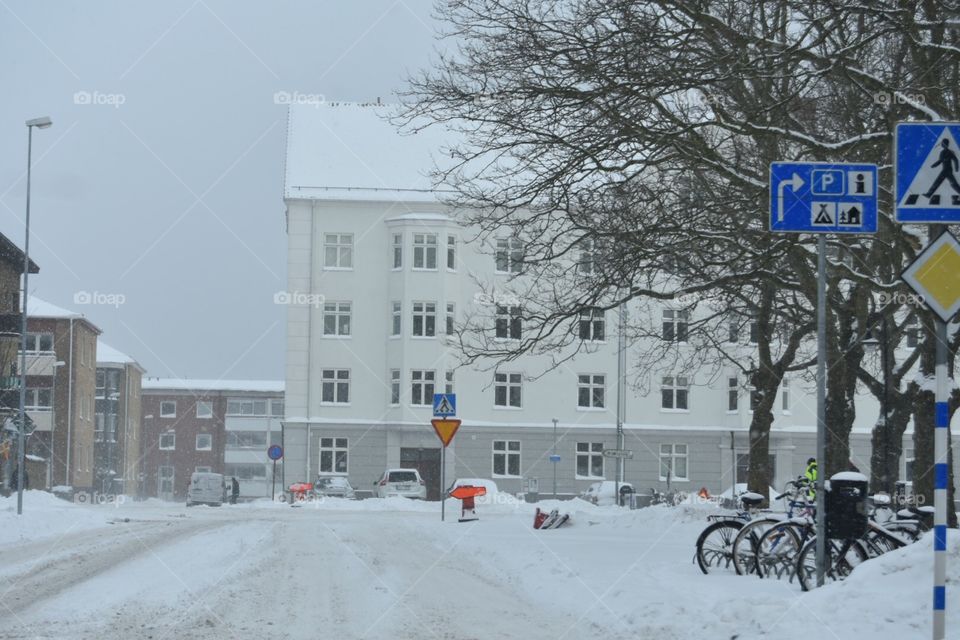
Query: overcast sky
159, 185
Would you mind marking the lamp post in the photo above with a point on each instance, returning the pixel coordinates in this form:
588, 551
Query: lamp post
40, 123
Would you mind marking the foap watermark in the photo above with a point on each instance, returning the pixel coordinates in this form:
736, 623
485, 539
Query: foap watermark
298, 298
885, 99
97, 498
494, 298
295, 97
902, 298
99, 298
99, 98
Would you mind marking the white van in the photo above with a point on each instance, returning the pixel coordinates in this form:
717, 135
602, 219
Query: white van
206, 488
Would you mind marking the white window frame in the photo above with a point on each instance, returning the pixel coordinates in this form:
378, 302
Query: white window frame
508, 454
33, 399
590, 320
339, 385
669, 452
676, 323
162, 478
591, 382
785, 397
424, 252
422, 380
337, 449
450, 327
397, 253
679, 387
508, 324
425, 312
451, 252
448, 381
591, 451
208, 436
587, 264
342, 244
506, 382
204, 415
394, 387
164, 414
396, 319
173, 445
508, 257
34, 341
733, 394
338, 311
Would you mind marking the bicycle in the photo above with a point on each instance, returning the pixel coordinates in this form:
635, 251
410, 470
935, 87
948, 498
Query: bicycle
746, 546
715, 544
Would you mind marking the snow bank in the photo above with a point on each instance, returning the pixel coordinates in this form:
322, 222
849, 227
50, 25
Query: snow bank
46, 515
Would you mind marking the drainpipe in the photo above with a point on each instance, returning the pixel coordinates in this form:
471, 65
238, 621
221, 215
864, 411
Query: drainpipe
313, 218
66, 473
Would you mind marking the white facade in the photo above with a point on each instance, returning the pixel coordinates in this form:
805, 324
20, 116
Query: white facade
347, 216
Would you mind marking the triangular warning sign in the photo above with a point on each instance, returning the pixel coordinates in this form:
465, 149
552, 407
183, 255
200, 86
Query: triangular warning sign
937, 181
446, 428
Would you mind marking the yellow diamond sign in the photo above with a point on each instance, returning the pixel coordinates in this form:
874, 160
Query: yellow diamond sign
935, 275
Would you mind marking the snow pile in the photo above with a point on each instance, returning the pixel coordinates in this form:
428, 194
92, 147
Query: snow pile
46, 515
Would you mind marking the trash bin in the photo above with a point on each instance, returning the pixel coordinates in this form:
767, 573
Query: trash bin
846, 505
626, 491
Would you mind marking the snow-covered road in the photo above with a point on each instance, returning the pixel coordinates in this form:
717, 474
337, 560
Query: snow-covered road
391, 569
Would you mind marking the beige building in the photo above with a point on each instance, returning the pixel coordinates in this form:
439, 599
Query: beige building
118, 422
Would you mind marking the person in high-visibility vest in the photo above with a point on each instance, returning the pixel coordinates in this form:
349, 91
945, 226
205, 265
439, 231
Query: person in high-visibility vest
811, 475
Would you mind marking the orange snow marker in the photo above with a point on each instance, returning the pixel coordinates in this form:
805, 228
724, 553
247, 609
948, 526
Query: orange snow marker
467, 493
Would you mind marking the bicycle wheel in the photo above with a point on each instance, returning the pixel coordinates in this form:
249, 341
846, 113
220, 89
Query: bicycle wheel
777, 550
843, 556
715, 546
745, 544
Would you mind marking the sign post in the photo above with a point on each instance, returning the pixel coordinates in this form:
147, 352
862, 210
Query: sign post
821, 198
275, 452
444, 406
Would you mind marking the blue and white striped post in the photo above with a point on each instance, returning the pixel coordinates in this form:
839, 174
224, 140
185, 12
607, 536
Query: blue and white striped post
941, 477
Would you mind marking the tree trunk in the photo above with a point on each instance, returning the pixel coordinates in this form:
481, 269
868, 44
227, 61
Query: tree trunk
887, 442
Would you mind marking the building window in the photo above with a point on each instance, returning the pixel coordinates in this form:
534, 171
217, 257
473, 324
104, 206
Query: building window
733, 394
508, 323
204, 442
246, 439
248, 407
674, 393
507, 390
397, 320
333, 455
675, 325
335, 386
449, 382
245, 471
165, 476
450, 318
452, 253
785, 396
422, 387
39, 343
590, 460
424, 319
39, 399
168, 441
591, 390
168, 409
587, 264
394, 386
424, 251
592, 325
204, 409
338, 250
673, 462
754, 332
397, 250
276, 408
912, 332
506, 458
336, 319
509, 255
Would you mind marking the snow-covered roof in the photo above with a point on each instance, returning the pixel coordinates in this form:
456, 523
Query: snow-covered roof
350, 151
37, 308
108, 355
192, 384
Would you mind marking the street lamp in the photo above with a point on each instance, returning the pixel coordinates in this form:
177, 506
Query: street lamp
40, 123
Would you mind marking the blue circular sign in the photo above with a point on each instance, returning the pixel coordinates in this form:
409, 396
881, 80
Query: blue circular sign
275, 452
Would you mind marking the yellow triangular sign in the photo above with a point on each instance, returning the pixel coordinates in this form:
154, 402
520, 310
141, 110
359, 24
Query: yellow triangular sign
446, 428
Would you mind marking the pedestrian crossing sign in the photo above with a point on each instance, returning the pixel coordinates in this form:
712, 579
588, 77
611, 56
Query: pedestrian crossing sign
927, 172
444, 405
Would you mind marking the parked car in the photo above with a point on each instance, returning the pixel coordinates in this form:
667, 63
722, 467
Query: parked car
604, 493
334, 487
206, 488
401, 482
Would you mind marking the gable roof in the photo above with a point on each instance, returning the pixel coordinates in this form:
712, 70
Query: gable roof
13, 255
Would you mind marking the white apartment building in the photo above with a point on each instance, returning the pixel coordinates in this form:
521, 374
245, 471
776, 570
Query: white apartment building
378, 273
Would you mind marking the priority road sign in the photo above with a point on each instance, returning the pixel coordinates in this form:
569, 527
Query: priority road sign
926, 171
446, 428
823, 197
935, 275
444, 405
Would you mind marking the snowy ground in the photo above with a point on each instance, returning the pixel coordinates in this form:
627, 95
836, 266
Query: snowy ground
391, 569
